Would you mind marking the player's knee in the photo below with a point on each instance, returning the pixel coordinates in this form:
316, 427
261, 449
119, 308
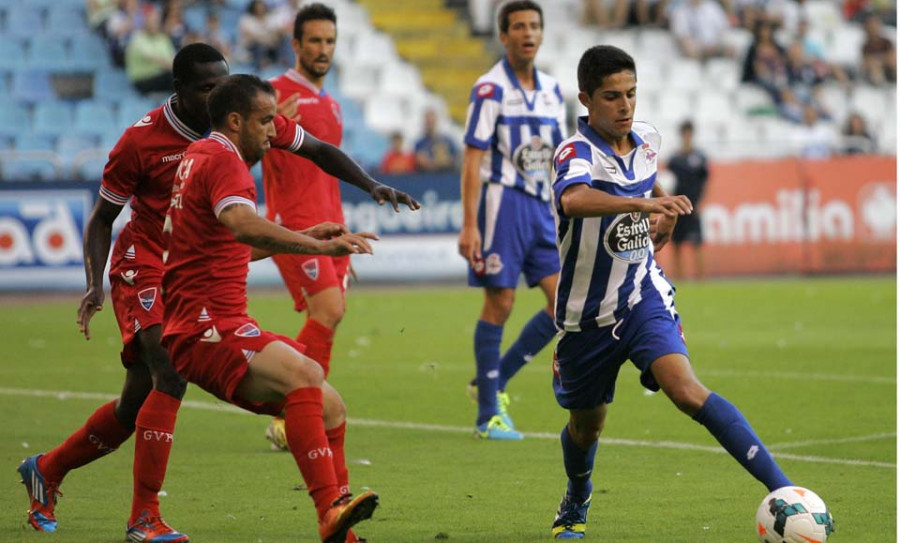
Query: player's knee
330, 316
334, 411
306, 373
168, 381
688, 398
585, 433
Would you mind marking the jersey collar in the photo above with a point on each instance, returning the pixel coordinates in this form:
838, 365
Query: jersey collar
507, 67
585, 129
176, 123
300, 79
223, 139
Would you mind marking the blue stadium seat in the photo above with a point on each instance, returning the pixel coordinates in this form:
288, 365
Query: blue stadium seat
12, 54
6, 143
49, 53
65, 21
13, 119
37, 160
52, 118
28, 141
91, 169
23, 20
112, 85
89, 53
69, 146
195, 17
132, 110
32, 86
94, 118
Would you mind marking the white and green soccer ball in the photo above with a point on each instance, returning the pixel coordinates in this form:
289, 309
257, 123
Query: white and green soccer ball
793, 514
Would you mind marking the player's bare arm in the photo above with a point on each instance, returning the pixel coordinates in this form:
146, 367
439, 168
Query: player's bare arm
661, 226
325, 230
97, 239
253, 230
583, 201
337, 163
470, 188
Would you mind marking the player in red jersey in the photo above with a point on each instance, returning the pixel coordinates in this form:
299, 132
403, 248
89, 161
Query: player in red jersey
141, 168
315, 282
213, 225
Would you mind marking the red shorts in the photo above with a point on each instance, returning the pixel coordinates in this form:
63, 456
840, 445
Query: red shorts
218, 359
137, 302
305, 275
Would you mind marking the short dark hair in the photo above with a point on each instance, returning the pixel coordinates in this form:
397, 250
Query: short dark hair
600, 61
312, 12
191, 55
512, 7
235, 93
686, 126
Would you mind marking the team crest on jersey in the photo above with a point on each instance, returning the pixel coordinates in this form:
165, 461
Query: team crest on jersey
248, 330
566, 153
628, 237
147, 298
485, 89
130, 254
533, 160
311, 269
649, 154
128, 276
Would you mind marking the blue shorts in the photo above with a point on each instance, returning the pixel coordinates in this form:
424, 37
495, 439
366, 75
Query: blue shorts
586, 364
517, 236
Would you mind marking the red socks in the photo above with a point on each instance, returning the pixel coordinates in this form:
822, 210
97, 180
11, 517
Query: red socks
319, 340
305, 431
100, 435
336, 442
155, 426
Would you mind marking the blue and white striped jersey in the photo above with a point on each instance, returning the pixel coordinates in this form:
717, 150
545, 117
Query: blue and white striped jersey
607, 262
520, 128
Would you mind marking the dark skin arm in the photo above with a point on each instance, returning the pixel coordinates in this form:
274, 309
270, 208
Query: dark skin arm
336, 163
97, 239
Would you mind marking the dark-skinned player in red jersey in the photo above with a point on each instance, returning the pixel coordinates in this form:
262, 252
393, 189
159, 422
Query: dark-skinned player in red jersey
214, 232
141, 169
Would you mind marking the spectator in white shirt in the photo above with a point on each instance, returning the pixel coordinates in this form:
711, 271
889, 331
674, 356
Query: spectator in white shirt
700, 26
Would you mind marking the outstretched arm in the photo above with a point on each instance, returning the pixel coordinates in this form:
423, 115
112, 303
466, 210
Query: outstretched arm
335, 162
97, 239
269, 238
582, 201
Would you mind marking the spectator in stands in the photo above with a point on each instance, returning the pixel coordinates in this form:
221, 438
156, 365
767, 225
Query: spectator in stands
814, 139
765, 62
691, 173
650, 12
397, 159
435, 151
98, 14
216, 36
879, 55
481, 15
856, 138
126, 18
259, 38
700, 26
610, 14
173, 22
149, 55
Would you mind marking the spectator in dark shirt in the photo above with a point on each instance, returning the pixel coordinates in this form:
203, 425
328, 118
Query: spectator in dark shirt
691, 172
855, 137
879, 55
435, 152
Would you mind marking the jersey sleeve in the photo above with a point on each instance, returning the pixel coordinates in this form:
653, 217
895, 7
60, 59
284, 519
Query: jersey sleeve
122, 171
481, 118
229, 182
573, 167
288, 134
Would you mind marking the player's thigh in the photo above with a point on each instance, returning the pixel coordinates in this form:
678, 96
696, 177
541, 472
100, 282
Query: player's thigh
504, 238
137, 306
585, 368
676, 378
277, 370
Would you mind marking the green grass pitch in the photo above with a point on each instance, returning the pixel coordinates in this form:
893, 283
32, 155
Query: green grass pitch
810, 362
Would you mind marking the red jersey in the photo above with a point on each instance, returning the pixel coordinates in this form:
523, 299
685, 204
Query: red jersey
298, 193
206, 267
142, 167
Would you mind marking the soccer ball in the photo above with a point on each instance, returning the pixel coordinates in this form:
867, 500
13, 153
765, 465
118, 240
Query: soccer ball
793, 514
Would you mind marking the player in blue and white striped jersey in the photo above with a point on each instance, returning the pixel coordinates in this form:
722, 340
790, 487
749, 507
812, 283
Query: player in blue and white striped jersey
516, 119
614, 303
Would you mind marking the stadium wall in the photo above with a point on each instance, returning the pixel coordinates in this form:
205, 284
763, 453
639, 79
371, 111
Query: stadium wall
772, 217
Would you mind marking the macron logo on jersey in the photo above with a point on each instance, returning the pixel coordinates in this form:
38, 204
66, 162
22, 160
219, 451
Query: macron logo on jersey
146, 121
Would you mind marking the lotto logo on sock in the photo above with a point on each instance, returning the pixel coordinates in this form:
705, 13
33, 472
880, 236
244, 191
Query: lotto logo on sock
751, 453
155, 435
101, 446
323, 452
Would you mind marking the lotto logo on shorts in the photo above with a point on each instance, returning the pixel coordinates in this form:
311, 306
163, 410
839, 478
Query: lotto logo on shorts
248, 330
147, 298
311, 269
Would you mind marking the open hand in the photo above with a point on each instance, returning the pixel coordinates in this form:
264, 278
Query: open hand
90, 304
383, 193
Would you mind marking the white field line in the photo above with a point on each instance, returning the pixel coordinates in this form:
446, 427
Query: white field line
223, 407
851, 439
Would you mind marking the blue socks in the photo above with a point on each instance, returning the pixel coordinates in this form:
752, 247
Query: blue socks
487, 368
731, 429
533, 337
579, 465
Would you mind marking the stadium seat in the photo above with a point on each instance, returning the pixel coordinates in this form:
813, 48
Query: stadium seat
89, 53
835, 98
374, 49
13, 119
384, 113
658, 44
112, 85
69, 148
714, 106
722, 73
132, 110
32, 86
750, 98
823, 15
674, 106
94, 119
871, 103
359, 82
845, 47
49, 53
52, 118
400, 79
685, 75
195, 17
34, 158
65, 21
23, 20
